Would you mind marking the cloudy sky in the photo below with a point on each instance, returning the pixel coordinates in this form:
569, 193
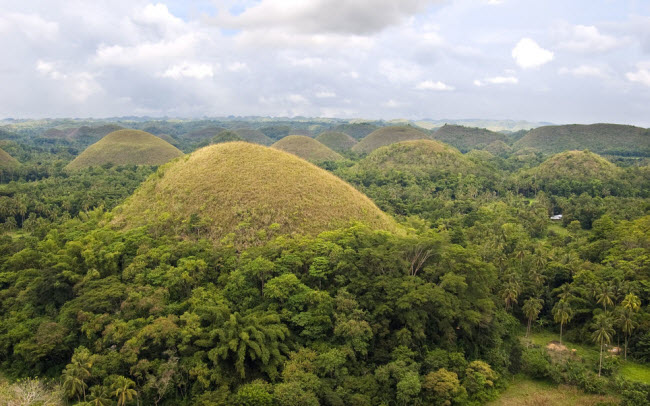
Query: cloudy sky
551, 60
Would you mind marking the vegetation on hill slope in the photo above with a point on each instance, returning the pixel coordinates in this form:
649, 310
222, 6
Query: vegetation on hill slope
499, 148
467, 138
611, 139
337, 141
386, 136
307, 148
203, 133
239, 190
574, 172
6, 160
356, 130
254, 136
126, 147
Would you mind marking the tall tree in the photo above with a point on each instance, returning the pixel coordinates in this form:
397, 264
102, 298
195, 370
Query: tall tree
562, 313
123, 390
531, 309
602, 334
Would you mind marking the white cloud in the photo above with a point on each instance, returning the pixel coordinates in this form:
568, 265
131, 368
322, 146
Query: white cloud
582, 71
237, 67
308, 62
359, 17
147, 53
325, 94
497, 80
297, 99
431, 85
587, 38
494, 2
189, 70
642, 75
528, 54
48, 69
33, 26
399, 71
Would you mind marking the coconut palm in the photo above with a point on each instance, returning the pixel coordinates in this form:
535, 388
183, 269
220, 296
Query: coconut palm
100, 396
123, 390
627, 324
605, 296
602, 334
73, 383
531, 309
631, 302
562, 313
510, 294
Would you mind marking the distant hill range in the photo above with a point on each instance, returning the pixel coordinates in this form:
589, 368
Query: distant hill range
492, 125
613, 139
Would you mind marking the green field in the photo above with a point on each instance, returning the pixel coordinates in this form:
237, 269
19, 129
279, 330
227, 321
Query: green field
523, 391
630, 370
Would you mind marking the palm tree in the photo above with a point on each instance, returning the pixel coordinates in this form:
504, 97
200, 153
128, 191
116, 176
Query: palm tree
565, 292
631, 302
100, 396
73, 384
627, 323
562, 313
605, 296
256, 336
510, 294
603, 333
531, 309
122, 390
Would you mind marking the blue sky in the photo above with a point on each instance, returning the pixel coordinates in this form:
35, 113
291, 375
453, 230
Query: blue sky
559, 61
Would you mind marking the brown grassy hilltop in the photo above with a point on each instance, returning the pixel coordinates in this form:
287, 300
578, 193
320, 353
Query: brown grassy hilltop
126, 147
386, 136
241, 192
306, 148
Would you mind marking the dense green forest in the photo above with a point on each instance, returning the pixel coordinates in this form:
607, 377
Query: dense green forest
474, 290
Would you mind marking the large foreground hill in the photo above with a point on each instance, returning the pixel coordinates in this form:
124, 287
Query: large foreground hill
241, 192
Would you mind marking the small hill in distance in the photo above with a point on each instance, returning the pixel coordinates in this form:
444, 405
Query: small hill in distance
203, 133
225, 136
7, 161
254, 136
243, 192
337, 141
467, 138
418, 155
386, 136
168, 138
84, 133
306, 148
126, 147
573, 172
356, 130
614, 139
499, 148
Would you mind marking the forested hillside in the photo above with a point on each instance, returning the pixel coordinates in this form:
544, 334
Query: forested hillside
403, 273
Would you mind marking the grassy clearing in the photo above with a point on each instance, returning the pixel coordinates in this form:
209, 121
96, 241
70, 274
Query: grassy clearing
244, 191
630, 370
306, 148
126, 147
386, 136
526, 392
558, 229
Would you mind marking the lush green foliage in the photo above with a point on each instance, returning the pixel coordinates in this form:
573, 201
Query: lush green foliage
467, 138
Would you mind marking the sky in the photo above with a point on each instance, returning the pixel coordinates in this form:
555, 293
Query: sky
578, 61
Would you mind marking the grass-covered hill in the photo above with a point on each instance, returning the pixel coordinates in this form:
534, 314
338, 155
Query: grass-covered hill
337, 141
418, 156
467, 138
307, 148
84, 133
356, 130
126, 147
386, 136
499, 148
168, 138
573, 172
612, 139
243, 191
6, 160
254, 136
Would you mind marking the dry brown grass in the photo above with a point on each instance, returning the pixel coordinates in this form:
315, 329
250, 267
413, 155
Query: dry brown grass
386, 136
243, 191
255, 136
126, 147
306, 148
